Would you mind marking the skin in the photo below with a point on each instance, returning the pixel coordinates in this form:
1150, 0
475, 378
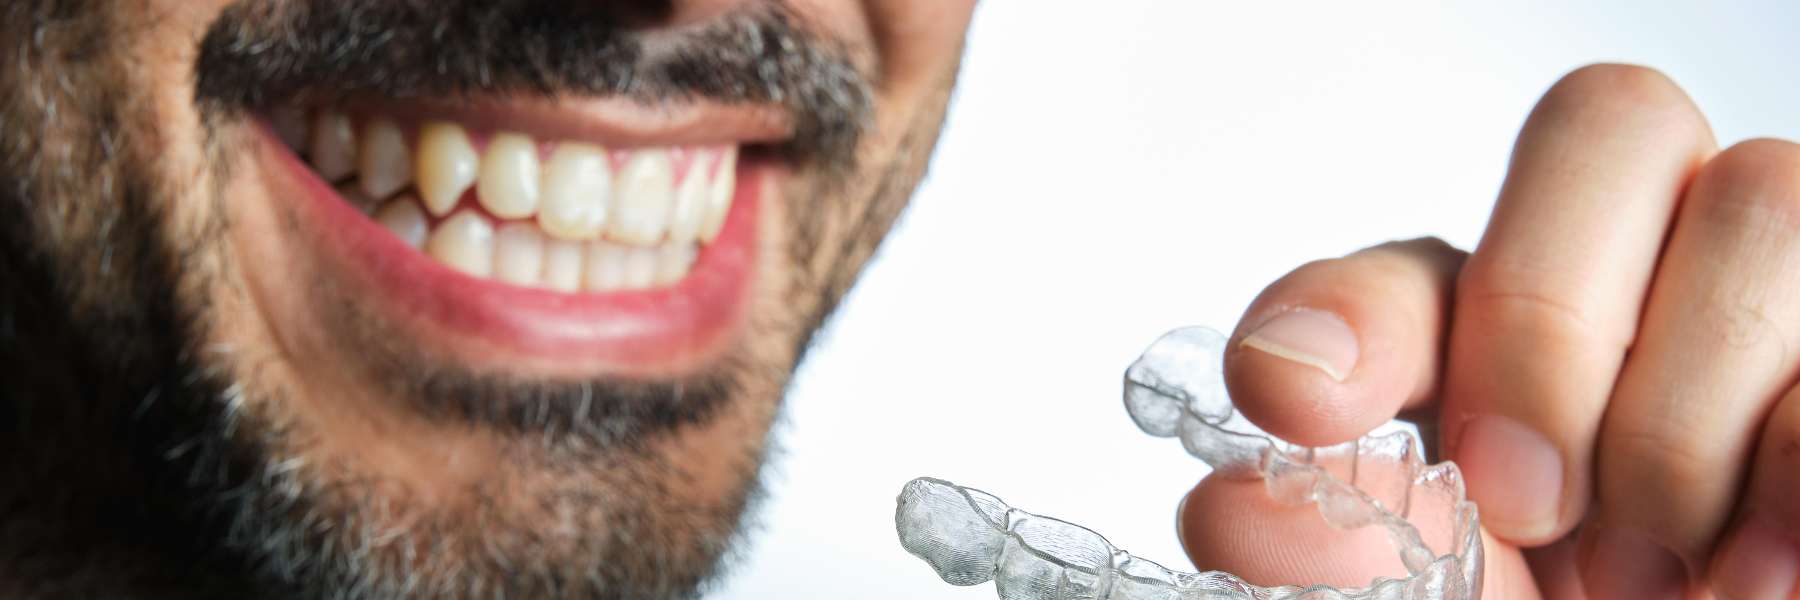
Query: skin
203, 349
1621, 227
1631, 303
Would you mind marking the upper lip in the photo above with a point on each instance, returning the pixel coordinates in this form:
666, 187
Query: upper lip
614, 122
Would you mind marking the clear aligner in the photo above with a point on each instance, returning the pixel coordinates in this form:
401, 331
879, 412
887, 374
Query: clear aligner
1176, 389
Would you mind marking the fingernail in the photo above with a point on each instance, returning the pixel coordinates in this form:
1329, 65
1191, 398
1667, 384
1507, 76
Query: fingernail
1513, 474
1759, 562
1310, 337
1626, 564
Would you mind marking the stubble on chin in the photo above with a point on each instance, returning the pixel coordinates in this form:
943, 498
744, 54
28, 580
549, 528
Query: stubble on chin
133, 302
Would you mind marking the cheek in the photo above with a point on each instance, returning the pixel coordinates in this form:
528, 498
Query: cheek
167, 124
918, 41
166, 36
842, 20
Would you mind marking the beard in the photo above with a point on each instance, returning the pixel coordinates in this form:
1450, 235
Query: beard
144, 453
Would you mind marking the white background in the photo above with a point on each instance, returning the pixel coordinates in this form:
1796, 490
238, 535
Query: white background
1112, 170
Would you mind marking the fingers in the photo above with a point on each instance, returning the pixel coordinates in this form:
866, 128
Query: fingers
1714, 353
1554, 567
1234, 526
1760, 555
1548, 303
1339, 346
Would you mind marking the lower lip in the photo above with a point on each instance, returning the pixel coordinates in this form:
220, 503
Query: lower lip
652, 330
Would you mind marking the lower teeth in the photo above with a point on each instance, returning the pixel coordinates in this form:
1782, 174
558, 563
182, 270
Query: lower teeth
519, 253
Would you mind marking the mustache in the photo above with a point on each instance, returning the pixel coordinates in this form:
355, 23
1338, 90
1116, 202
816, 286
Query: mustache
258, 53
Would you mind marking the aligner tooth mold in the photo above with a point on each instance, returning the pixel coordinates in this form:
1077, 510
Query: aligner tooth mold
1176, 389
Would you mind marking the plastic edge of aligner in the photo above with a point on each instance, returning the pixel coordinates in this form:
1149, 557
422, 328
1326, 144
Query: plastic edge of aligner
1211, 430
1290, 474
1130, 577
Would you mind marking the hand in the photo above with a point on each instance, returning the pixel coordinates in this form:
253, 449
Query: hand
1614, 366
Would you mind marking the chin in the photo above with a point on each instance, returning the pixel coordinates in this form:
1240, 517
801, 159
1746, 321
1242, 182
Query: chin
508, 326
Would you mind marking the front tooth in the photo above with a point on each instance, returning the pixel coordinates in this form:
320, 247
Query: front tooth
641, 198
605, 269
465, 242
382, 159
405, 219
446, 164
519, 254
562, 265
640, 268
673, 262
577, 182
689, 212
724, 186
333, 146
508, 185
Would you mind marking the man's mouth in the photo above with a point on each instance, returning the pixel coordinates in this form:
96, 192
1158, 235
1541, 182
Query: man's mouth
572, 251
563, 215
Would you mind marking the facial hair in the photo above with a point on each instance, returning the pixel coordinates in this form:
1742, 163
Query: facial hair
123, 427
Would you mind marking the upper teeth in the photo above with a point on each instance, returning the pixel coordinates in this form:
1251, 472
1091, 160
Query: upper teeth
508, 184
446, 165
643, 195
333, 146
576, 185
382, 159
558, 215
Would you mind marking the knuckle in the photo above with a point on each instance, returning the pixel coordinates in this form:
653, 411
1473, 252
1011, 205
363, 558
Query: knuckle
1664, 448
1616, 97
1495, 300
1617, 86
1742, 323
1661, 479
1753, 184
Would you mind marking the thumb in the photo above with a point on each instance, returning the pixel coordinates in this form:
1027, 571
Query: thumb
1340, 346
1233, 525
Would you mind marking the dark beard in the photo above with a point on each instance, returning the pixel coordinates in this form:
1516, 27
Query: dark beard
95, 387
127, 470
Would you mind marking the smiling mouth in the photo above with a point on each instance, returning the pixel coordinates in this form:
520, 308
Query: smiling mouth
563, 215
520, 243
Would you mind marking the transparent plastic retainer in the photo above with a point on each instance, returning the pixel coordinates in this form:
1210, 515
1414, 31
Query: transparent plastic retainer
1176, 389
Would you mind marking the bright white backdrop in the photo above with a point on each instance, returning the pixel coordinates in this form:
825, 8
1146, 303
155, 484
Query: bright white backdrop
1115, 169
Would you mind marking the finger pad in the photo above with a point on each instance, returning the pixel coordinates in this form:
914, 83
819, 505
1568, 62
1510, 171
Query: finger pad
1234, 526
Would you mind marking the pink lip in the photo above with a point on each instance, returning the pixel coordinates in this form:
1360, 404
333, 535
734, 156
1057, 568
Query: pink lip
631, 332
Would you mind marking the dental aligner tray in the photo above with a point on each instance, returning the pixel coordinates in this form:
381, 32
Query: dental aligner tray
1176, 389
